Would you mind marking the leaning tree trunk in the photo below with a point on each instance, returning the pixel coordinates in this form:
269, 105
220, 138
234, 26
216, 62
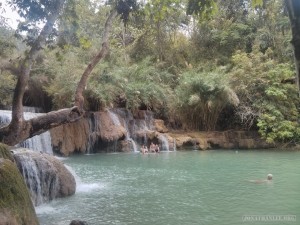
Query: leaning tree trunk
79, 99
20, 129
293, 8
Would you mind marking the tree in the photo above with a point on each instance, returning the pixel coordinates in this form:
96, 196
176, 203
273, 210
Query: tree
48, 12
206, 7
268, 98
293, 8
201, 97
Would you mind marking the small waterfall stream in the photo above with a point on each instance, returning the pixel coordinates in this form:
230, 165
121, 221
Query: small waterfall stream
94, 124
164, 142
46, 177
40, 142
30, 172
40, 176
137, 129
125, 123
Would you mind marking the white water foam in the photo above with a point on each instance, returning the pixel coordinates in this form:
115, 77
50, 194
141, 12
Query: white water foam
85, 187
82, 187
44, 209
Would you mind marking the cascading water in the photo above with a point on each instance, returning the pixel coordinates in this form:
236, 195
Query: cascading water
174, 144
137, 129
114, 118
116, 121
164, 142
40, 142
41, 189
94, 123
45, 176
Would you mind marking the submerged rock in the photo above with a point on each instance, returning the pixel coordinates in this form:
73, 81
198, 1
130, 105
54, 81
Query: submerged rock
16, 207
46, 177
78, 222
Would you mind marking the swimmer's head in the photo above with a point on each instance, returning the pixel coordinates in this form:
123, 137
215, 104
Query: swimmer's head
270, 176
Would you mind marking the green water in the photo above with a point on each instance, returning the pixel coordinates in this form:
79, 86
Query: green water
193, 187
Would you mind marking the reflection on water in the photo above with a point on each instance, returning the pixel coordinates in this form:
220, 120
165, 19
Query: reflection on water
179, 188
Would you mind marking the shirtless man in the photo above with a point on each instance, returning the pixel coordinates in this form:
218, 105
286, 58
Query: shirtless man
269, 179
152, 147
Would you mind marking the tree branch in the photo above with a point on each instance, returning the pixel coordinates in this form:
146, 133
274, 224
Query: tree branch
79, 99
17, 106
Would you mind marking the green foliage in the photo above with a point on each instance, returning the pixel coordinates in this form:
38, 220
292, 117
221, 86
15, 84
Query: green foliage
201, 97
267, 95
7, 86
63, 71
136, 85
7, 42
5, 153
152, 60
202, 8
256, 3
15, 200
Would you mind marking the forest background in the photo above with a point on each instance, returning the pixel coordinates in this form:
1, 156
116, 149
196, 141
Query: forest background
232, 67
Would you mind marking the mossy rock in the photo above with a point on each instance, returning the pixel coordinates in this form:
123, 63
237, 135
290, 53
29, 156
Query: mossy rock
16, 207
5, 153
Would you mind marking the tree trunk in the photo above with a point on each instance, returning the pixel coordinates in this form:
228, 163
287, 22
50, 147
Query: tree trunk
79, 99
293, 8
19, 129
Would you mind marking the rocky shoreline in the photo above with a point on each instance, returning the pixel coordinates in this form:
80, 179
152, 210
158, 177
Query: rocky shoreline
109, 131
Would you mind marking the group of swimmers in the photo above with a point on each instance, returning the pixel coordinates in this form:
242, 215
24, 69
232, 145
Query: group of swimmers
154, 148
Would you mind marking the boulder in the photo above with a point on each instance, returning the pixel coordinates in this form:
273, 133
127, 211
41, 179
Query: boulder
78, 222
16, 207
109, 130
160, 126
46, 177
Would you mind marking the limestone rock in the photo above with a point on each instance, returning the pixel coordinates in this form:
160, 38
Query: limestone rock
110, 130
72, 137
219, 140
160, 126
16, 207
46, 177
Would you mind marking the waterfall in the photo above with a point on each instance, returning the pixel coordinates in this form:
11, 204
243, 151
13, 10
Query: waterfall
134, 146
46, 177
164, 142
174, 144
40, 191
94, 121
114, 118
82, 187
125, 123
40, 142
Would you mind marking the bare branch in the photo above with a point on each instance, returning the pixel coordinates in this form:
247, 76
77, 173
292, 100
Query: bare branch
79, 99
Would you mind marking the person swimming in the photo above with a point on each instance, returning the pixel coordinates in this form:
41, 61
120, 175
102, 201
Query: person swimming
269, 178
